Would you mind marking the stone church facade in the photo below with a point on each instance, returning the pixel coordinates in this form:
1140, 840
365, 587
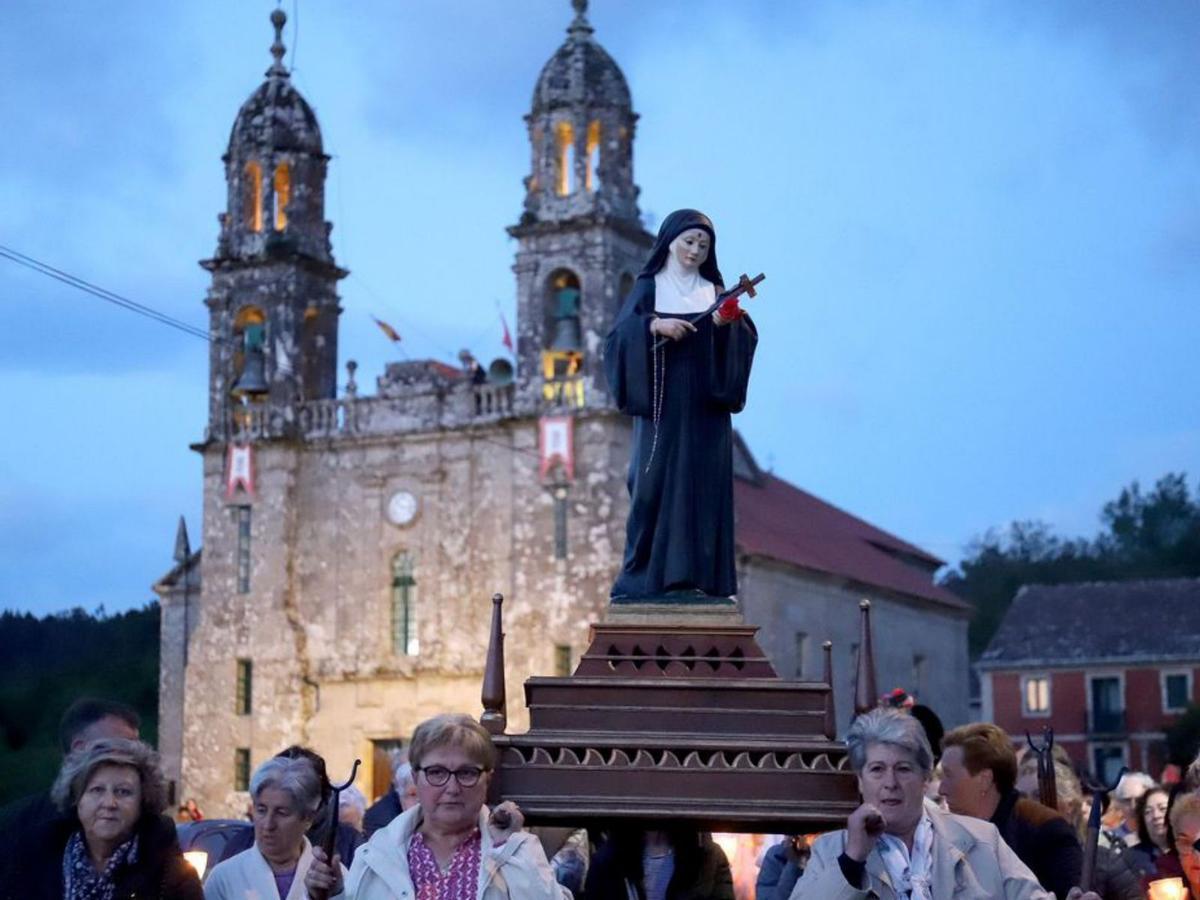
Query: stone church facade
352, 541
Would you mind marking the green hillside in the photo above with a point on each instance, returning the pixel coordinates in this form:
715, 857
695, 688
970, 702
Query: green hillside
52, 661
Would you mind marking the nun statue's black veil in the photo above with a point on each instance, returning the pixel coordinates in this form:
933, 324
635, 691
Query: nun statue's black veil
679, 542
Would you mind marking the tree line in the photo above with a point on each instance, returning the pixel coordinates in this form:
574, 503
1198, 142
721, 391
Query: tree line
53, 660
1153, 534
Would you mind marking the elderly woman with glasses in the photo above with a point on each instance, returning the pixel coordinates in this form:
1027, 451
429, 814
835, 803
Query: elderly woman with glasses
285, 794
449, 845
896, 845
111, 841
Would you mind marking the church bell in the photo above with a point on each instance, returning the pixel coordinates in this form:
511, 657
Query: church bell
252, 383
567, 334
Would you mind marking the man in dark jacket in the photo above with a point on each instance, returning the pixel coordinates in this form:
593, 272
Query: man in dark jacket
402, 796
979, 773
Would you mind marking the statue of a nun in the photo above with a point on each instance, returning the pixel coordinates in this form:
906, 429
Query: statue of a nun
681, 380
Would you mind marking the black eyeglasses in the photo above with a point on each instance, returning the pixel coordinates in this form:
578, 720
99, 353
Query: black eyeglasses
438, 776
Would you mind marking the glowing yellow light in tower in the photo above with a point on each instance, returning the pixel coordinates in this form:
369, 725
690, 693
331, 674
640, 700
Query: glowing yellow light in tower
593, 155
283, 194
564, 136
252, 196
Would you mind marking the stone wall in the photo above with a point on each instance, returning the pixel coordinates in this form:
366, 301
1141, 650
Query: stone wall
317, 620
784, 601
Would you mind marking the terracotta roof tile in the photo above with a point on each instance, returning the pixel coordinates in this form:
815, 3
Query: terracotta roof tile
1091, 621
780, 521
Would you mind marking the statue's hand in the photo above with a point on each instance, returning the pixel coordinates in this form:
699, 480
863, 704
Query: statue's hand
674, 329
727, 312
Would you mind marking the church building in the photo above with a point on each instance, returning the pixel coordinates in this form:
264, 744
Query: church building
353, 539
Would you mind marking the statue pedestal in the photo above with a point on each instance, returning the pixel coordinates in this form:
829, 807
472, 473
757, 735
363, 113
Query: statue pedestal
675, 715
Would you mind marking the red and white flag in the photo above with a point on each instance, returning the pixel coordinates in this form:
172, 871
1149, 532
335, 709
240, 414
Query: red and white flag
239, 470
556, 441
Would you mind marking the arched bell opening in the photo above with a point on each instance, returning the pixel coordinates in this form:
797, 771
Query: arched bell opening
562, 352
564, 155
592, 175
249, 355
282, 195
252, 196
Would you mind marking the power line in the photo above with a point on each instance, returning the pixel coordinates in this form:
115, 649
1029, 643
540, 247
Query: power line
43, 268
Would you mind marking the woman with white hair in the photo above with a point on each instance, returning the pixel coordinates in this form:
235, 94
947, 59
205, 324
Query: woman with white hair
285, 794
352, 807
896, 845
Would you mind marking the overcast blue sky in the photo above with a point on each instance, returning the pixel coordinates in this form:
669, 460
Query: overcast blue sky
980, 224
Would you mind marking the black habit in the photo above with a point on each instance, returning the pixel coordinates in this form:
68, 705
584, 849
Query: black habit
679, 537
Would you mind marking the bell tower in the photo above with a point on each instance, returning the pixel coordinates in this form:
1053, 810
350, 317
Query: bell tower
273, 304
581, 241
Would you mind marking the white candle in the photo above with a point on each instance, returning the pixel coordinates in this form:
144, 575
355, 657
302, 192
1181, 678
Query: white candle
1167, 889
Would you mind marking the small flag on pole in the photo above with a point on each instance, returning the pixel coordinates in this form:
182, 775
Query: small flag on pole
392, 334
507, 339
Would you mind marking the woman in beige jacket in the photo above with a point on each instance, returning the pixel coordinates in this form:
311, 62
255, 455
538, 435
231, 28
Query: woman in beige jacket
896, 846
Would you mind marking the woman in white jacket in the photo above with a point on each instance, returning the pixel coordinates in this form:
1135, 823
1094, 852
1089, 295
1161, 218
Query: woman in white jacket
898, 847
285, 794
448, 845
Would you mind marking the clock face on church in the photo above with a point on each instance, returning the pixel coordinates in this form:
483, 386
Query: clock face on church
402, 508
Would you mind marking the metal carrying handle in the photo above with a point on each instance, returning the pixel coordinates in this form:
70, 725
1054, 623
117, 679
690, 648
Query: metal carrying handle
330, 841
1047, 780
1099, 789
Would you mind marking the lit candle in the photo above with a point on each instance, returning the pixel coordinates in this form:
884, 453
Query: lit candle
1167, 889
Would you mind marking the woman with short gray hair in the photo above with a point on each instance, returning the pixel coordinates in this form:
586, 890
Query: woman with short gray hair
113, 840
895, 845
285, 794
903, 732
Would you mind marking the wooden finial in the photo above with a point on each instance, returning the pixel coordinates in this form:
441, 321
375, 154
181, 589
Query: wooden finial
495, 711
865, 693
830, 712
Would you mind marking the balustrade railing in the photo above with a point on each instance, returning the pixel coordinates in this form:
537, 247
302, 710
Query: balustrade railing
319, 419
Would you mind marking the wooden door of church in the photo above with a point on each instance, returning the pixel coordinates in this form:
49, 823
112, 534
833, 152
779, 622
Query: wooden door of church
381, 765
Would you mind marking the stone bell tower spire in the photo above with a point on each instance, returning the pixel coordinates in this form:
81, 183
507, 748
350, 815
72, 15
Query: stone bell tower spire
581, 238
273, 302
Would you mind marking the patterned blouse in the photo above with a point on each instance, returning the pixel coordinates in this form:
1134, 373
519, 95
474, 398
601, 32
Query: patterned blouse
460, 881
81, 881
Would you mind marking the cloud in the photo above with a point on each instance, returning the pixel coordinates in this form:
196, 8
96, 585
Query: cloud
57, 553
975, 220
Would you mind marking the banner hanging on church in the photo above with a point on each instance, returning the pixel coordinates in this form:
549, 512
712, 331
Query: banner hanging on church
556, 445
239, 470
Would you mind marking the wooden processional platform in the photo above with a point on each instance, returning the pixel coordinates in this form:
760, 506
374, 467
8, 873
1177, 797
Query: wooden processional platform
676, 715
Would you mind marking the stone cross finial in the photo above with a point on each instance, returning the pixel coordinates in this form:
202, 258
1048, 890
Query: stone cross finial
183, 547
278, 19
579, 26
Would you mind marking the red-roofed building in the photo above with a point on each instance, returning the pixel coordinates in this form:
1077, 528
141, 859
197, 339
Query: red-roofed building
1110, 666
803, 566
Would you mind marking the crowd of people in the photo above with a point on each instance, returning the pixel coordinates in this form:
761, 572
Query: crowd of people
951, 815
